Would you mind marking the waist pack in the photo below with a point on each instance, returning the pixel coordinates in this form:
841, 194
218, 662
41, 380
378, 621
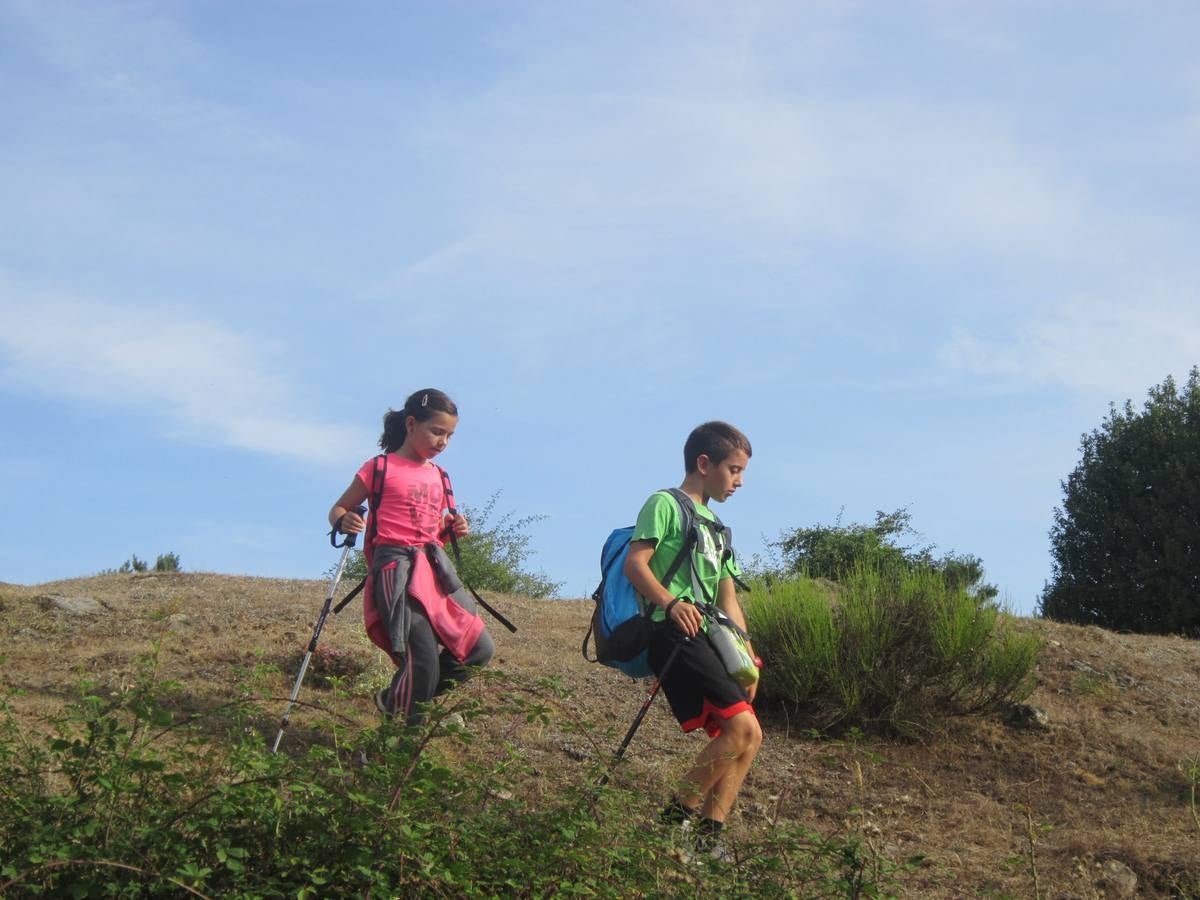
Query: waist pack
620, 622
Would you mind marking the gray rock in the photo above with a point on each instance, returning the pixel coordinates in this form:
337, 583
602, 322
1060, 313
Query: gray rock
1118, 879
1023, 715
1080, 666
72, 606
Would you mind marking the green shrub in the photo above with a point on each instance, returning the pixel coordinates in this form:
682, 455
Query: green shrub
167, 562
493, 554
887, 647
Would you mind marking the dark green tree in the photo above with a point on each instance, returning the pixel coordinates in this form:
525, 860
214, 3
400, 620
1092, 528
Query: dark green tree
1126, 540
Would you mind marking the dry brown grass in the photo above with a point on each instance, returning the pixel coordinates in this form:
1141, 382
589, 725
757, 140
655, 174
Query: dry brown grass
984, 802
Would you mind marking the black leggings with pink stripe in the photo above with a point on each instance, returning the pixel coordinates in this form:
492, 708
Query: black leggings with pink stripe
429, 669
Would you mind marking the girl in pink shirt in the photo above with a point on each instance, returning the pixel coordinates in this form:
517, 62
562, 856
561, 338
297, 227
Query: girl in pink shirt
415, 607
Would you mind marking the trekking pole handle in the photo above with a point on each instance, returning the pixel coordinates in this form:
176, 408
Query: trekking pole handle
350, 537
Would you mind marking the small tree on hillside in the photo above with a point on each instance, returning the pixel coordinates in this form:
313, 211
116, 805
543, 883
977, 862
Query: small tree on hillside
133, 564
1126, 540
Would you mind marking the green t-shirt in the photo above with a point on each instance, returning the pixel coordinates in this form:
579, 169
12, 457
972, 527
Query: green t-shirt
662, 522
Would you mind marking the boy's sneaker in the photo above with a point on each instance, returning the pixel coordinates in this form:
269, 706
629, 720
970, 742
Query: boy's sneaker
678, 821
708, 842
715, 848
676, 815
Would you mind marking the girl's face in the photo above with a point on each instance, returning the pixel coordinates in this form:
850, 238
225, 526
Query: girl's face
427, 439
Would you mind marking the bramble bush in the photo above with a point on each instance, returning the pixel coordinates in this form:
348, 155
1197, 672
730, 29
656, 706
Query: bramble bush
888, 647
123, 797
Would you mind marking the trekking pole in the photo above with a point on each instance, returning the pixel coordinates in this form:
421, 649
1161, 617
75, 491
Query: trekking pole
642, 712
347, 545
458, 555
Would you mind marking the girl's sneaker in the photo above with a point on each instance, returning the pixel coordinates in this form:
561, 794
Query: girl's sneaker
382, 696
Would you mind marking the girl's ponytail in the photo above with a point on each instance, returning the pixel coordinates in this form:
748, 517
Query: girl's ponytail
421, 405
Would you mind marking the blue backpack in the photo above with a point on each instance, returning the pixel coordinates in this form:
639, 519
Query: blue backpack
620, 622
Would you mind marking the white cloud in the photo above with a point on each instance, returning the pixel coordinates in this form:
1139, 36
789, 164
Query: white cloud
197, 377
1098, 349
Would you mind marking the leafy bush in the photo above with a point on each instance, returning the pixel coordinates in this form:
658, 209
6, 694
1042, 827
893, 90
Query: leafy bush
1126, 540
167, 562
493, 554
124, 798
835, 551
890, 648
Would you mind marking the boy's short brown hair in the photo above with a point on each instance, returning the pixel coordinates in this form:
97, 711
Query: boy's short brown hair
716, 440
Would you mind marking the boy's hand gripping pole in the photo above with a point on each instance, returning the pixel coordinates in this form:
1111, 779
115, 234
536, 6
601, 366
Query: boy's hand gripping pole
347, 545
449, 491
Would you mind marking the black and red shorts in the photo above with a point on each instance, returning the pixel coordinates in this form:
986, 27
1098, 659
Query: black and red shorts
701, 693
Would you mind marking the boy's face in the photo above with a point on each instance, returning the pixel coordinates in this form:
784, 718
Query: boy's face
723, 478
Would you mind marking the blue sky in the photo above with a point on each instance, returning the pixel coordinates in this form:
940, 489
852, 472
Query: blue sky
912, 249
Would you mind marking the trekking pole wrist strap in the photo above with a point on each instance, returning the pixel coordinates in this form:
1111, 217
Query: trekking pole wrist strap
335, 531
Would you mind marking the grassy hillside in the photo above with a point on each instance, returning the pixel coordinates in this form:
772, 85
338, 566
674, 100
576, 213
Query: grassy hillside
995, 810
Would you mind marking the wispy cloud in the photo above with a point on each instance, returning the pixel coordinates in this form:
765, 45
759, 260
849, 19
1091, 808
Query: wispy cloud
581, 162
136, 61
199, 378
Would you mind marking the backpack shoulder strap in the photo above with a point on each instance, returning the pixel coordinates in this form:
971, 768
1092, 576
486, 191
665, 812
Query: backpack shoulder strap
376, 498
687, 516
692, 519
378, 477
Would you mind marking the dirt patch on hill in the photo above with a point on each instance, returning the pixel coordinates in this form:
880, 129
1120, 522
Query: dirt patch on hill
987, 804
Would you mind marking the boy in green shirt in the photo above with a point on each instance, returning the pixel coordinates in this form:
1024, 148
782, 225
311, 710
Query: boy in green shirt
701, 693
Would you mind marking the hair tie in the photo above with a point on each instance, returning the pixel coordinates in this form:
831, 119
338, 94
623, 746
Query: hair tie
425, 400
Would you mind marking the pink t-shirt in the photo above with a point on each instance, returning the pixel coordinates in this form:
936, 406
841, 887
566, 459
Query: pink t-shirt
413, 501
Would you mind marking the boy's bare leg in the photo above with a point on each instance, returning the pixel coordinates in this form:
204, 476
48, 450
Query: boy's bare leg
714, 781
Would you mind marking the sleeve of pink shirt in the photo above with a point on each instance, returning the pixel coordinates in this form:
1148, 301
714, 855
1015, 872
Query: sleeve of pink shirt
366, 473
